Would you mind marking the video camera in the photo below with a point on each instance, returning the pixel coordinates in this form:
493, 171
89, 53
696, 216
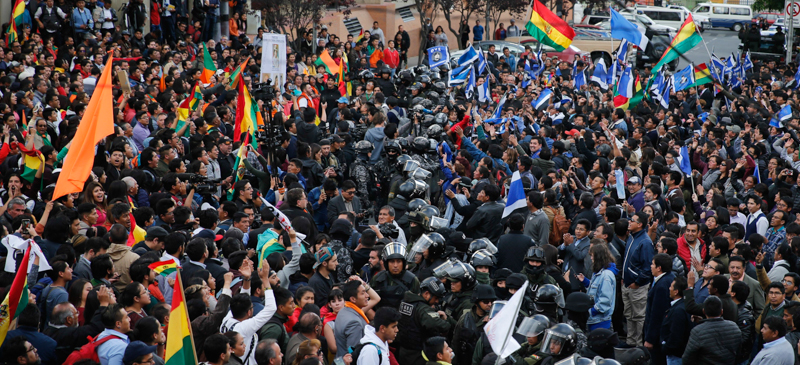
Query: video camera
201, 183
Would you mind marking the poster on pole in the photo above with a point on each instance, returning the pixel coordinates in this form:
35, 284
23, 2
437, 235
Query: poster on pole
273, 58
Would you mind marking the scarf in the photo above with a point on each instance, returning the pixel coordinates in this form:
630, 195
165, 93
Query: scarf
358, 310
45, 138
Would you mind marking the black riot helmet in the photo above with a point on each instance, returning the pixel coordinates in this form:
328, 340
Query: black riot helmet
416, 204
406, 189
483, 292
563, 335
430, 211
392, 148
401, 160
481, 244
463, 273
434, 286
438, 245
420, 144
549, 294
483, 258
363, 146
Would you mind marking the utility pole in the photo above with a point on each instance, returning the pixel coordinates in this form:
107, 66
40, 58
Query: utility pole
224, 18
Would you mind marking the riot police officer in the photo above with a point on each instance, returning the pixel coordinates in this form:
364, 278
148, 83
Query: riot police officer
462, 281
533, 329
483, 262
469, 328
419, 321
386, 168
432, 247
361, 174
392, 284
559, 343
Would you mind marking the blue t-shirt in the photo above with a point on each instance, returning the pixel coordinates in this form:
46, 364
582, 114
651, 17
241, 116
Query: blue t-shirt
53, 295
477, 32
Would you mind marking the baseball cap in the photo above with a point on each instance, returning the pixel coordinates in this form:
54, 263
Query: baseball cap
336, 139
208, 234
135, 350
225, 140
343, 100
634, 180
734, 128
459, 239
325, 142
572, 132
156, 232
13, 64
323, 255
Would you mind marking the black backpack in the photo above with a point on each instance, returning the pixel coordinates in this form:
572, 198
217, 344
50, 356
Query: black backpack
356, 351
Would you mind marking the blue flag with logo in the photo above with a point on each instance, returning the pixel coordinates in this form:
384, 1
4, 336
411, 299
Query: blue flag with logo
683, 78
438, 56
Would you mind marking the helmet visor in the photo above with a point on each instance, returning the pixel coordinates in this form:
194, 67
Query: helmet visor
440, 272
420, 246
420, 174
483, 243
394, 249
532, 327
496, 307
553, 342
457, 272
438, 223
410, 165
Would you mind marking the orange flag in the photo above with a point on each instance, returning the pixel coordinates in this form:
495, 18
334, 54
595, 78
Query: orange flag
97, 123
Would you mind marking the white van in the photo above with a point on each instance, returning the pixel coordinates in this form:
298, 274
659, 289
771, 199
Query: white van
730, 16
673, 17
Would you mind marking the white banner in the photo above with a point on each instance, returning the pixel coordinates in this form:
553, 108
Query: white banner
273, 58
501, 327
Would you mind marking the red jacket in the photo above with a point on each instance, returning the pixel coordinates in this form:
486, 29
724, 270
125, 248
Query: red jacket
391, 58
685, 252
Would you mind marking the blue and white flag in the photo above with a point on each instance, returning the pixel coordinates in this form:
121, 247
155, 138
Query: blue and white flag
683, 78
498, 111
516, 196
538, 72
579, 77
600, 74
458, 75
730, 64
620, 185
565, 99
481, 62
484, 94
621, 28
796, 79
469, 56
716, 67
618, 65
657, 90
748, 63
785, 114
438, 56
469, 90
685, 162
543, 100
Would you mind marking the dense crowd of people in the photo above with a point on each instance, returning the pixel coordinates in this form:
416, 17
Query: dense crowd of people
372, 222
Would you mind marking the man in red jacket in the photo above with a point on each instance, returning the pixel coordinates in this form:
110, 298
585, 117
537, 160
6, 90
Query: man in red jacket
691, 248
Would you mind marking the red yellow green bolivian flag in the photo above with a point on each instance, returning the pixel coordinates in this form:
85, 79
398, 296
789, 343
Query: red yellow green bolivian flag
327, 61
180, 343
236, 75
548, 28
164, 268
685, 40
189, 105
17, 298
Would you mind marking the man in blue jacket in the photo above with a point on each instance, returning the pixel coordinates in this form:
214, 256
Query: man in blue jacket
658, 299
636, 276
494, 150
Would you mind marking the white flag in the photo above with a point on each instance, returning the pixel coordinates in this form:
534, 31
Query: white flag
282, 218
501, 327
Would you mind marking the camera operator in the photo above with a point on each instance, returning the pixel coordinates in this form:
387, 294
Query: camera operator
388, 226
180, 192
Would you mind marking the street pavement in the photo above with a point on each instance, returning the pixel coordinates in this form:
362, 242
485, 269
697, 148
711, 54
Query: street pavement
720, 41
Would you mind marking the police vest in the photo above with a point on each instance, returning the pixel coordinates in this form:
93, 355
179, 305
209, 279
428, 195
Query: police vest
410, 335
392, 289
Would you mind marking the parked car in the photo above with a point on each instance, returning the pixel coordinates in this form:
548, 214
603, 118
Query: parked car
771, 17
655, 49
729, 16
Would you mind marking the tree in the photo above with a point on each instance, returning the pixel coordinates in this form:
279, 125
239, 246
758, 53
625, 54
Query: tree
763, 5
496, 8
298, 16
423, 7
465, 7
